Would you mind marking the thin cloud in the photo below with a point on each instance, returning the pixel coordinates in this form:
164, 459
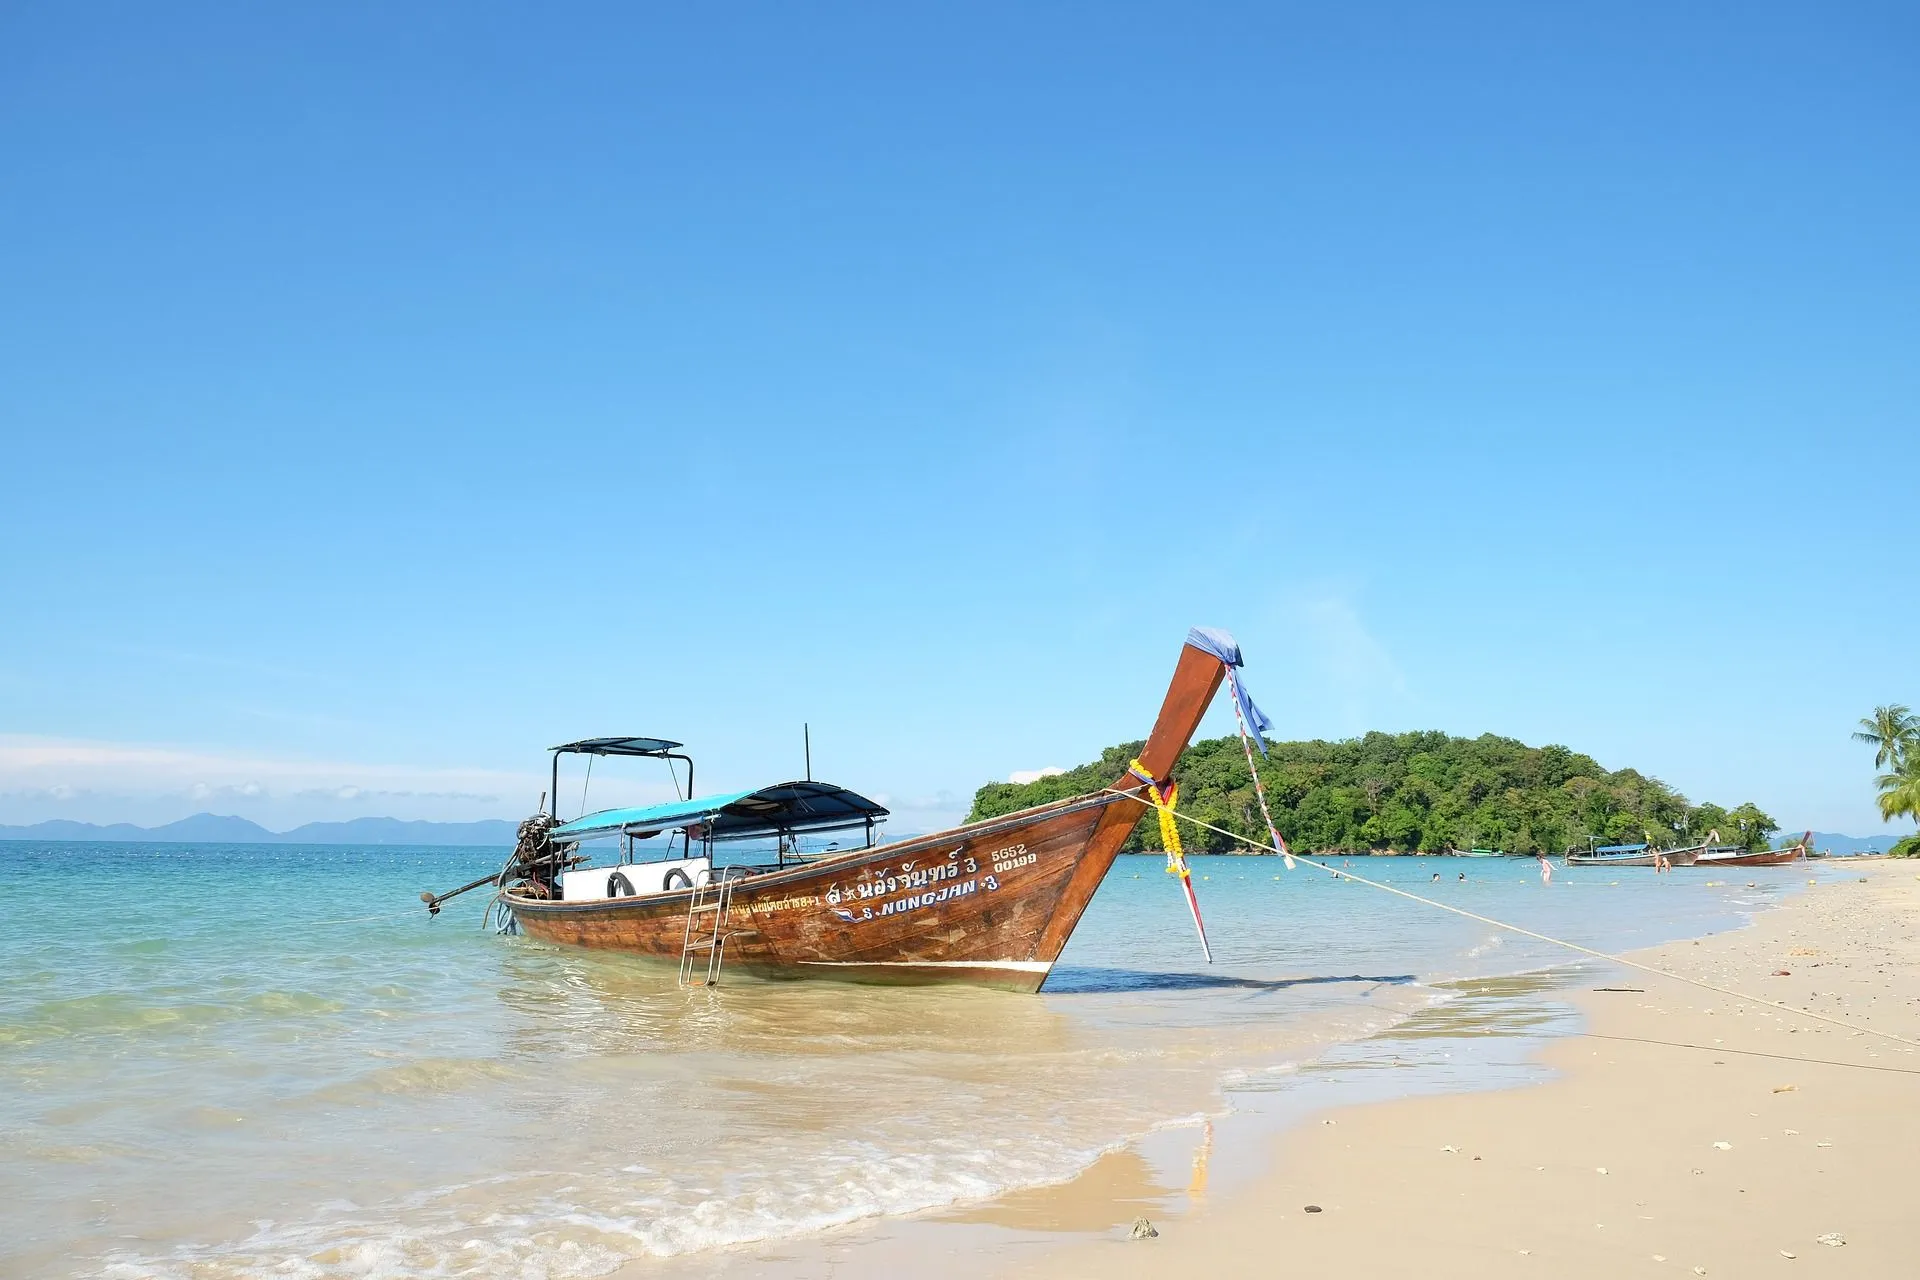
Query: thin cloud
56, 777
1351, 655
1331, 674
364, 796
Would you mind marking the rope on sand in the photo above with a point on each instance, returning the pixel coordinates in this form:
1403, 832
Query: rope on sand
1753, 1053
1340, 874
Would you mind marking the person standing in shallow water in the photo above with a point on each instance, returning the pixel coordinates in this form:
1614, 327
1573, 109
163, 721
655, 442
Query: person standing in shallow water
1546, 869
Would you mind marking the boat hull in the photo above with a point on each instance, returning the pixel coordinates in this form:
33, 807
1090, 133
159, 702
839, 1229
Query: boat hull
988, 904
1768, 858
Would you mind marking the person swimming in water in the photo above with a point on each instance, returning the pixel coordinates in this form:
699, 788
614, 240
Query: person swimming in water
1463, 875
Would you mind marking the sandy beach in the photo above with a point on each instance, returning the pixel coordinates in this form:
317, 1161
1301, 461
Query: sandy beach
1683, 1133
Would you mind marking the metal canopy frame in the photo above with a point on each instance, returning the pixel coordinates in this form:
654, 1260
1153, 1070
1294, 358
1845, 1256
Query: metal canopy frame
654, 748
619, 746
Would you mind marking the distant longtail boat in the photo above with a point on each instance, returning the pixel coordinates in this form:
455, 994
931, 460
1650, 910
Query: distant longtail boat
990, 902
1765, 858
1633, 855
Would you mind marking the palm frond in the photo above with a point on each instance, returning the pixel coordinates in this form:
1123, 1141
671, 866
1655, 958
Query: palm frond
1894, 733
1900, 792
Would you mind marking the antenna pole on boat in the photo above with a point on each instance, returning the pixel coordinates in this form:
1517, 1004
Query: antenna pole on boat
806, 741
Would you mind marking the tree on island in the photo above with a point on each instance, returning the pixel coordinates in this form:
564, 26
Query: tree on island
1423, 792
1893, 732
1753, 826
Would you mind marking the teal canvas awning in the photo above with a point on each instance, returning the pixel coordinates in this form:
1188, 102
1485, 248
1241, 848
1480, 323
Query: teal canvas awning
788, 808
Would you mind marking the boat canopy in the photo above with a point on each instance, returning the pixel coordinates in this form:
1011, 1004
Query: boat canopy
788, 808
619, 747
1621, 848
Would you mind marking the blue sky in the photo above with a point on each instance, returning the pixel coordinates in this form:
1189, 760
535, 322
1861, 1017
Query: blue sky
389, 392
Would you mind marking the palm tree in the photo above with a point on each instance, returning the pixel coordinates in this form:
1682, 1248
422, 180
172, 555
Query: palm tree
1900, 790
1894, 733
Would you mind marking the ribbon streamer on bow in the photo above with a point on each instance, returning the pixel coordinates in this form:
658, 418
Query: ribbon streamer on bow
1247, 714
1240, 699
1163, 795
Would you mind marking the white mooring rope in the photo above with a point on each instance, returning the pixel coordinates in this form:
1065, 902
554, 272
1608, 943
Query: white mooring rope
1342, 874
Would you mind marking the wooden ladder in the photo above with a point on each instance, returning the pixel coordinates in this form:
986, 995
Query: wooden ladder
710, 895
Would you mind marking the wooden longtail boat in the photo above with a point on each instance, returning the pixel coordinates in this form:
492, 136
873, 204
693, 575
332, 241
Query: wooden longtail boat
1764, 858
1610, 860
1691, 854
990, 902
1616, 855
1633, 855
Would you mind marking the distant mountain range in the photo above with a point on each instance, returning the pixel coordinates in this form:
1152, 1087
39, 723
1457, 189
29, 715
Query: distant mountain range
1827, 842
210, 828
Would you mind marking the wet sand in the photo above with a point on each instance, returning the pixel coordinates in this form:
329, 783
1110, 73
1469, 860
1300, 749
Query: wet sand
1683, 1133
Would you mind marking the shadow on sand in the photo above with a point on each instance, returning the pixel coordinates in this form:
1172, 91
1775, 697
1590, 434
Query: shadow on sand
1076, 979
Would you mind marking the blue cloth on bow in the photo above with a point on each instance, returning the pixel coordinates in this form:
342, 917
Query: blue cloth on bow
1227, 649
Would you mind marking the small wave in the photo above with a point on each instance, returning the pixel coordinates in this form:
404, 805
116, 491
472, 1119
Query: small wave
118, 1014
425, 1076
108, 1014
569, 1227
22, 1147
291, 1002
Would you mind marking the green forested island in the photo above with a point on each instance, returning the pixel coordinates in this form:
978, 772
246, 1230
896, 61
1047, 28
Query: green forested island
1406, 792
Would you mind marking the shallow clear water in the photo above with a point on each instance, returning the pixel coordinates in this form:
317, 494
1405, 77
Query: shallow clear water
230, 1060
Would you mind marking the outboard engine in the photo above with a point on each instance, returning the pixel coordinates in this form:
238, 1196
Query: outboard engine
537, 859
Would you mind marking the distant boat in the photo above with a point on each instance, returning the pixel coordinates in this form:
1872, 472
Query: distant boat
1478, 853
1632, 855
1692, 855
1613, 855
991, 902
1735, 857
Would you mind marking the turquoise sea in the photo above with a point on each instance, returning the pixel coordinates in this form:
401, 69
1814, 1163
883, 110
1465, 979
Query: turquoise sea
228, 1060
